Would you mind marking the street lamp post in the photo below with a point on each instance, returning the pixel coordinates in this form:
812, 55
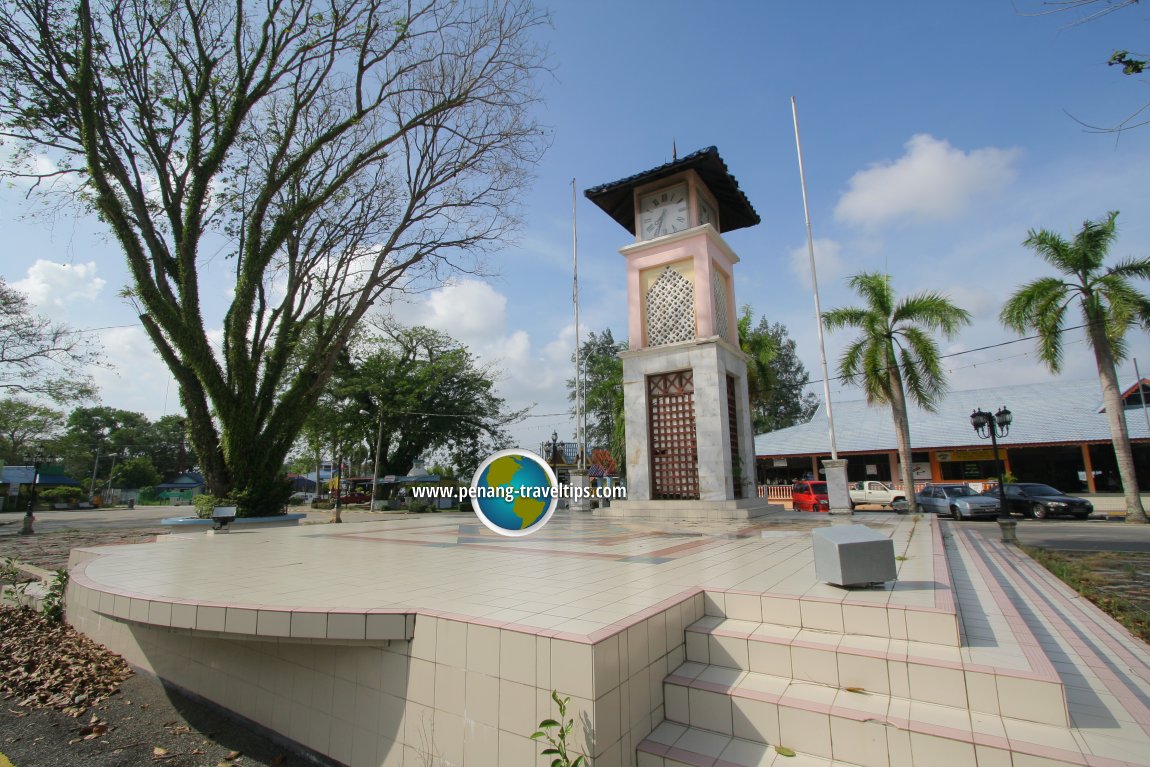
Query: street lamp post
378, 445
36, 460
553, 450
995, 426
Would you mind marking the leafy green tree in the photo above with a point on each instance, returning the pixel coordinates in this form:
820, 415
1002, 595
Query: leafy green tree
776, 376
136, 473
603, 395
94, 434
312, 155
38, 356
1109, 304
432, 396
896, 358
168, 446
24, 425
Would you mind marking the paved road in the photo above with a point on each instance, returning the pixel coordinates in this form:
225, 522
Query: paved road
92, 519
1094, 535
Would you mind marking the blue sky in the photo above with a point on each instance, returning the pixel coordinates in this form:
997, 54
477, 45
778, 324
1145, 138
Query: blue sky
935, 135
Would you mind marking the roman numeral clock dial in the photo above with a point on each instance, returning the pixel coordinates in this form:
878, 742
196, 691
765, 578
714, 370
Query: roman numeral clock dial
663, 212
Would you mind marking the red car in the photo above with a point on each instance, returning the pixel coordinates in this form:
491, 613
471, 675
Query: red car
355, 497
810, 496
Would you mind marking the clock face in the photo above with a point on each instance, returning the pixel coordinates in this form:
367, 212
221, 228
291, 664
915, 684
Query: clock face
707, 214
663, 212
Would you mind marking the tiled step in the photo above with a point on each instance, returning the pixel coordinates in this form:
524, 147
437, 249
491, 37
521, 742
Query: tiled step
674, 745
875, 618
916, 671
853, 726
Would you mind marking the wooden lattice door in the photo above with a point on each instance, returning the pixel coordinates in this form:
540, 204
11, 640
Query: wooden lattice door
733, 430
674, 447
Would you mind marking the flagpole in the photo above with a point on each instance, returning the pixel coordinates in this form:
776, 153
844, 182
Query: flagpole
815, 285
580, 426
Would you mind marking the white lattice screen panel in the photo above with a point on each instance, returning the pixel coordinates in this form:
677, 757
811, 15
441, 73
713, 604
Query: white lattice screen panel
719, 299
670, 309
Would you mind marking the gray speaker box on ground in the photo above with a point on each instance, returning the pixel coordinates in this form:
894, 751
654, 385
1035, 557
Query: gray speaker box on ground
853, 555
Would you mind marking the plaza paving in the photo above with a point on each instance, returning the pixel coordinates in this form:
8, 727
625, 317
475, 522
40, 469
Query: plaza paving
705, 643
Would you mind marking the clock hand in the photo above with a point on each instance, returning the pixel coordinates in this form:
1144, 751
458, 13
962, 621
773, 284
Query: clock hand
659, 223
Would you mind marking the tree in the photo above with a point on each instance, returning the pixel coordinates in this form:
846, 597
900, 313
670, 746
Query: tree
1110, 306
431, 395
136, 473
603, 394
775, 375
23, 424
323, 153
95, 434
895, 358
38, 356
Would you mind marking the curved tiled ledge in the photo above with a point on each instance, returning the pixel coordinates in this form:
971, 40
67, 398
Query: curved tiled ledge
196, 523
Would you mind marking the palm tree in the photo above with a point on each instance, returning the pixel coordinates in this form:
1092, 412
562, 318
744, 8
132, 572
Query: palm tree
1110, 305
896, 357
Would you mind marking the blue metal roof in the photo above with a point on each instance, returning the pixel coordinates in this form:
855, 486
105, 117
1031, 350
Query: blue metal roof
1068, 412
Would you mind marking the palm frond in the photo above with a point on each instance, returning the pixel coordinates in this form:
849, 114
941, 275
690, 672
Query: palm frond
845, 317
921, 365
1093, 241
1053, 248
1023, 310
876, 379
932, 310
874, 288
922, 377
1131, 268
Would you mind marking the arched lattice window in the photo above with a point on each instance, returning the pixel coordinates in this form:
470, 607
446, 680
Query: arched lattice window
720, 303
670, 309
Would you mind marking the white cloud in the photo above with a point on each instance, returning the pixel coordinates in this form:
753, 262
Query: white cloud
51, 284
532, 369
828, 262
136, 378
932, 180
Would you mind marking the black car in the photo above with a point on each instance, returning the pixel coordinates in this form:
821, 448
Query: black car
1033, 499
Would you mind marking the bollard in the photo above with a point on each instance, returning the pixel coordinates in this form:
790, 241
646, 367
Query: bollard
1009, 530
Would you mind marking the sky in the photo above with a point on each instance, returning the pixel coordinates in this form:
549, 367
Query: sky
935, 135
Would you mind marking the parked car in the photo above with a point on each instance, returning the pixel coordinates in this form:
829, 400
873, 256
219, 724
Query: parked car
872, 492
956, 500
355, 497
810, 496
1039, 501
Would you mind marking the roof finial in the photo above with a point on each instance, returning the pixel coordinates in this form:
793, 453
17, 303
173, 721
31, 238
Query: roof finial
674, 150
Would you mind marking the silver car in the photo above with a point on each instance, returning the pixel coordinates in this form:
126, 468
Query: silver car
956, 500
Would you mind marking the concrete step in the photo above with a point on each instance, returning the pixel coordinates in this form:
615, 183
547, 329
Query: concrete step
854, 726
917, 671
675, 745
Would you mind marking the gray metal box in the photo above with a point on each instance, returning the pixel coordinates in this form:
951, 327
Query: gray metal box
852, 555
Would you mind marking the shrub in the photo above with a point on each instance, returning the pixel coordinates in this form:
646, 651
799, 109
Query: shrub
60, 495
206, 502
420, 506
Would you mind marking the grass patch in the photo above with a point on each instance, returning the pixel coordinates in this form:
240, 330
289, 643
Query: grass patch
1086, 574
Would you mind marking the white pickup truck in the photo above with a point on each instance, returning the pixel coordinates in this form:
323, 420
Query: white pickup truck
877, 493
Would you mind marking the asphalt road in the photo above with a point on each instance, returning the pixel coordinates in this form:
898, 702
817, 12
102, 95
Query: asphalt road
1092, 535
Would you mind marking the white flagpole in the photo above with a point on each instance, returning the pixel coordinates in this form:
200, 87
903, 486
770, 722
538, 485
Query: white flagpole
815, 285
580, 427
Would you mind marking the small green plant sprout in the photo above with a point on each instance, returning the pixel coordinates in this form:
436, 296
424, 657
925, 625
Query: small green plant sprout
53, 603
556, 735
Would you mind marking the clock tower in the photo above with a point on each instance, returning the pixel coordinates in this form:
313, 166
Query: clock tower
690, 446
